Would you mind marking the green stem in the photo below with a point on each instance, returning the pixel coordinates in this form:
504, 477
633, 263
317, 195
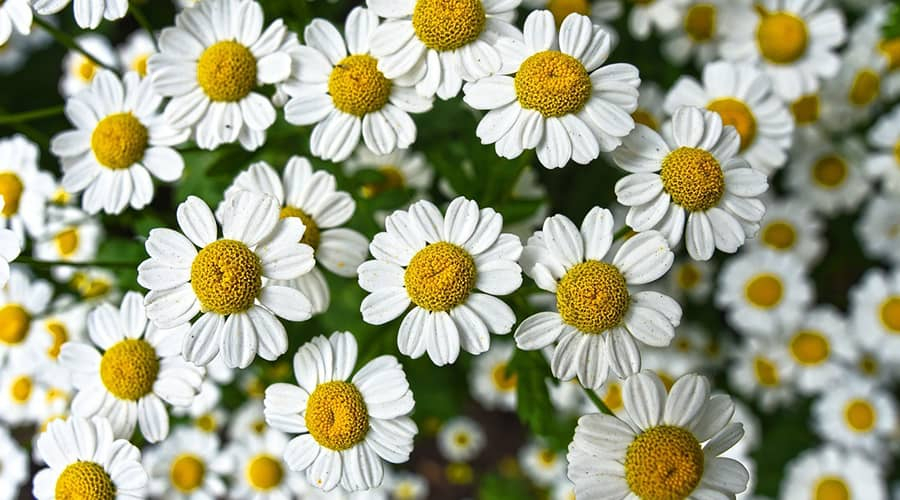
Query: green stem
141, 19
94, 263
31, 115
69, 42
597, 401
621, 233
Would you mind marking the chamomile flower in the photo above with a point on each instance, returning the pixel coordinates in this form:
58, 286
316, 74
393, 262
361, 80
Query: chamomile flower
690, 279
794, 42
691, 185
542, 464
700, 31
183, 466
436, 263
88, 13
69, 235
14, 14
229, 280
13, 466
347, 426
742, 95
79, 70
312, 197
403, 485
659, 15
760, 371
23, 395
828, 174
492, 386
879, 229
663, 446
601, 12
85, 461
248, 420
791, 226
869, 34
875, 313
23, 187
212, 70
561, 101
600, 315
138, 371
884, 162
10, 247
258, 469
857, 415
402, 169
830, 472
65, 322
438, 45
22, 301
853, 95
135, 51
461, 439
343, 91
818, 346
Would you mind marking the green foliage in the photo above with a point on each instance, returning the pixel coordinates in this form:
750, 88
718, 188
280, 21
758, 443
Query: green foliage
496, 487
533, 400
892, 26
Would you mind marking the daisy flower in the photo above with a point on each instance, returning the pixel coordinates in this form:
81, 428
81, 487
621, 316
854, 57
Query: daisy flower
312, 197
857, 415
228, 280
791, 226
437, 262
645, 16
818, 348
65, 322
742, 95
404, 485
793, 41
831, 472
879, 230
875, 313
852, 96
184, 466
807, 112
760, 371
460, 439
347, 426
88, 13
10, 247
884, 162
78, 70
22, 301
869, 34
257, 468
138, 370
561, 100
23, 187
601, 12
690, 279
248, 420
694, 170
600, 315
491, 385
700, 31
23, 393
437, 45
341, 90
663, 446
542, 464
828, 174
14, 14
15, 466
135, 51
85, 461
212, 70
69, 235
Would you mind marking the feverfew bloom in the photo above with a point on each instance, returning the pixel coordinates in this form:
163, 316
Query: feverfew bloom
14, 14
211, 70
490, 382
119, 141
878, 228
599, 315
347, 426
791, 226
135, 51
79, 70
601, 12
884, 162
9, 249
818, 347
184, 466
828, 174
437, 262
23, 187
88, 13
23, 395
542, 464
832, 472
853, 94
858, 415
257, 468
69, 235
460, 439
662, 446
875, 313
700, 32
229, 279
760, 371
22, 301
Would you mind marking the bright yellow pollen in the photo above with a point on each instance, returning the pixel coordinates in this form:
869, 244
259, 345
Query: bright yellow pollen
764, 291
139, 64
84, 481
806, 109
664, 463
779, 235
891, 51
737, 114
59, 334
336, 415
119, 141
700, 22
20, 389
504, 380
889, 313
264, 472
11, 188
865, 88
693, 178
562, 8
829, 171
809, 347
14, 324
860, 415
392, 178
187, 472
440, 276
66, 241
688, 276
86, 69
766, 372
831, 488
782, 37
226, 277
226, 71
444, 25
592, 296
613, 398
357, 87
128, 369
312, 236
645, 118
60, 197
552, 83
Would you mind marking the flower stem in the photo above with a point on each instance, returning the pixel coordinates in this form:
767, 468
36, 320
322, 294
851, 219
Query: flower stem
621, 233
597, 401
69, 42
93, 263
31, 115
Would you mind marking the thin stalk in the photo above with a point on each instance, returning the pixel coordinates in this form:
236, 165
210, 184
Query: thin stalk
31, 115
597, 401
66, 40
93, 263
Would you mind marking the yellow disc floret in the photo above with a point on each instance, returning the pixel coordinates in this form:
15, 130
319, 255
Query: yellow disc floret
693, 178
766, 372
312, 236
264, 472
890, 49
139, 64
829, 171
644, 117
688, 276
806, 109
562, 8
664, 463
831, 488
865, 88
440, 276
357, 87
11, 188
187, 472
552, 83
20, 389
226, 71
444, 25
889, 313
764, 291
700, 22
779, 235
84, 480
336, 415
592, 296
86, 69
860, 415
14, 324
119, 141
226, 277
129, 368
782, 37
59, 335
66, 241
504, 379
736, 113
809, 347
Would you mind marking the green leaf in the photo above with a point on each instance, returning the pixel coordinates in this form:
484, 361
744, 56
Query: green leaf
533, 400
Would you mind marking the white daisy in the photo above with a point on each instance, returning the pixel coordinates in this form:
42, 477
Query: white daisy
228, 280
807, 113
690, 279
491, 385
183, 466
437, 262
135, 51
248, 420
647, 15
258, 470
828, 174
85, 461
858, 415
346, 426
211, 64
884, 162
853, 95
830, 472
600, 315
65, 322
561, 101
693, 170
875, 313
23, 393
69, 235
663, 446
88, 13
760, 371
460, 439
14, 14
791, 226
13, 466
700, 31
869, 34
23, 187
78, 70
404, 485
541, 464
878, 229
23, 300
438, 45
601, 12
10, 247
819, 346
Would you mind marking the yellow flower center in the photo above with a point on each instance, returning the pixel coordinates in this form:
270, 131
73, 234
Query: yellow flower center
831, 488
11, 188
59, 335
128, 369
764, 291
868, 365
613, 398
20, 389
688, 276
809, 347
552, 83
86, 70
259, 426
206, 422
139, 64
664, 463
860, 415
547, 457
829, 171
60, 197
645, 118
119, 141
806, 109
693, 178
440, 276
448, 24
14, 324
84, 480
766, 372
737, 114
890, 314
504, 380
897, 151
865, 88
264, 472
461, 439
592, 296
187, 472
562, 8
336, 415
357, 87
312, 236
779, 235
700, 22
226, 71
66, 241
391, 178
226, 277
891, 51
782, 37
